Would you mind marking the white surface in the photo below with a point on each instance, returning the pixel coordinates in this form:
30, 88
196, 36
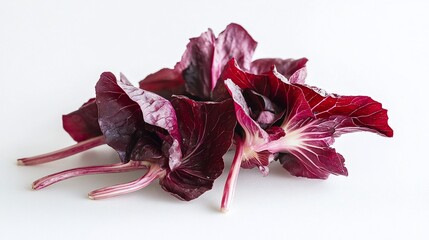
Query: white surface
51, 54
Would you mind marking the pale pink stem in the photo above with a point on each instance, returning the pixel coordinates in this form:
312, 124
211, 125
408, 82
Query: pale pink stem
112, 168
62, 153
153, 173
231, 181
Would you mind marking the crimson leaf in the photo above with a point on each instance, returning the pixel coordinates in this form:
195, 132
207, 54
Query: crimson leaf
166, 82
362, 112
311, 119
302, 139
206, 129
141, 125
82, 124
287, 67
125, 112
206, 56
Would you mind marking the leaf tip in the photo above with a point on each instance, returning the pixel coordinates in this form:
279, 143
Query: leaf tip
389, 133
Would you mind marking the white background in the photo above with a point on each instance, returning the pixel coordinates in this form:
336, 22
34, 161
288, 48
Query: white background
51, 55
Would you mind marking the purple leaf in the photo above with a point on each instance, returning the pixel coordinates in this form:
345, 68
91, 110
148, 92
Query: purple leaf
166, 82
253, 134
267, 84
284, 96
202, 63
262, 109
158, 112
289, 97
286, 67
362, 112
82, 124
197, 64
294, 166
299, 76
125, 112
120, 117
234, 42
206, 129
311, 121
251, 128
149, 128
307, 145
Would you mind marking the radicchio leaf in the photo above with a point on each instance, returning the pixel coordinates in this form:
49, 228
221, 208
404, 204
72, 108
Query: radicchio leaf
206, 56
202, 132
294, 166
307, 141
304, 137
299, 76
158, 112
82, 124
125, 111
286, 67
120, 118
166, 82
206, 129
262, 109
263, 71
311, 121
269, 84
287, 96
198, 61
362, 112
253, 134
202, 62
234, 42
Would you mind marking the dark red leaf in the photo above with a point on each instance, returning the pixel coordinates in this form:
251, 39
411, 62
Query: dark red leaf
197, 61
166, 82
286, 67
293, 165
284, 96
262, 109
183, 141
234, 42
126, 113
310, 123
253, 134
206, 129
362, 112
82, 124
308, 144
201, 65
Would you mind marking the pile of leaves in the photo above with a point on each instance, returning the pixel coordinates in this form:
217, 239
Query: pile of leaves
179, 123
